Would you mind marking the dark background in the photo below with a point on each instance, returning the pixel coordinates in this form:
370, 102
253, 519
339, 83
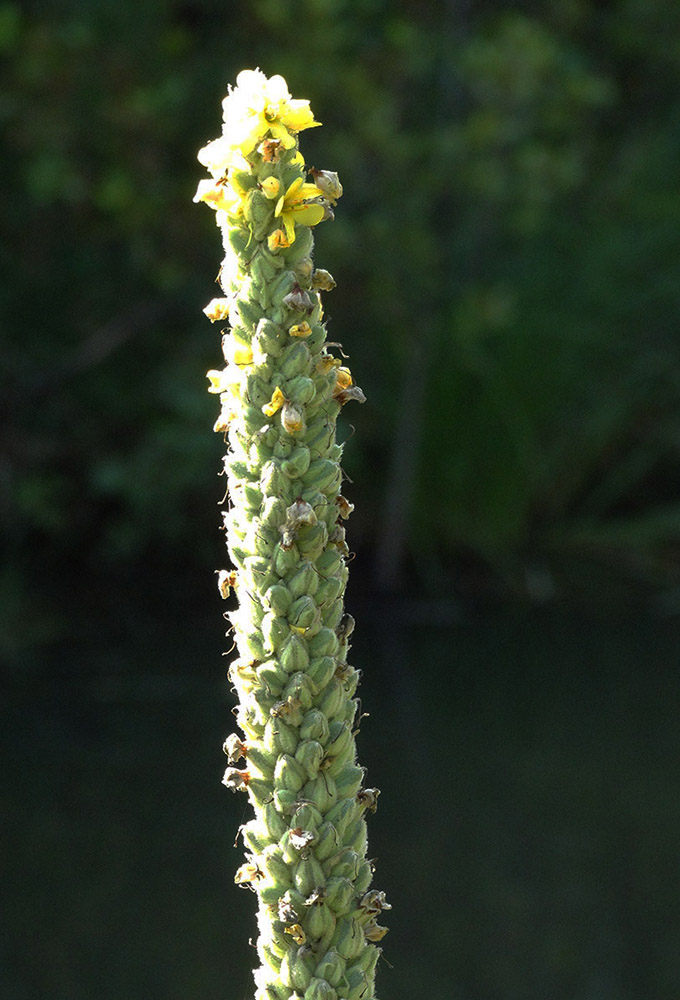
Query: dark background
506, 254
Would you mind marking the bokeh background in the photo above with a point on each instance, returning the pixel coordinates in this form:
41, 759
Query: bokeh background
507, 254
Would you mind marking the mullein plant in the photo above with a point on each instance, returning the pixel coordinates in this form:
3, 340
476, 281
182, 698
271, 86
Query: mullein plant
281, 391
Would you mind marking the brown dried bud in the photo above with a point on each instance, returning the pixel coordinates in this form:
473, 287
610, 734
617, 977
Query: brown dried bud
235, 779
298, 300
368, 798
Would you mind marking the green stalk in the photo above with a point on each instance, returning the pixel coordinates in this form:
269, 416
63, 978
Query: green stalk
281, 392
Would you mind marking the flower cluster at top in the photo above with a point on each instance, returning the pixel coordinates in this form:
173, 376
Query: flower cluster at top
257, 173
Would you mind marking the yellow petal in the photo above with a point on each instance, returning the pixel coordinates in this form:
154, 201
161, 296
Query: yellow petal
289, 226
217, 309
300, 329
274, 404
308, 215
277, 240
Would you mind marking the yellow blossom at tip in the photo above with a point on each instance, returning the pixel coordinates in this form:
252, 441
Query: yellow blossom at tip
258, 108
274, 404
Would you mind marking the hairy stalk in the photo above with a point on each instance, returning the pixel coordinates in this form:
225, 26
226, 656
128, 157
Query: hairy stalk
281, 392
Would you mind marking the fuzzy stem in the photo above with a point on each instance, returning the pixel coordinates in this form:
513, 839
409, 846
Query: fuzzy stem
281, 392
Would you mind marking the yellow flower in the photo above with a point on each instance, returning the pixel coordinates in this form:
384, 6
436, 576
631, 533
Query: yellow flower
217, 309
236, 353
300, 329
300, 205
274, 404
277, 240
219, 196
343, 380
226, 380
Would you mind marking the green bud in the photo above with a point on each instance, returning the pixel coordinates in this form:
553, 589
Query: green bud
321, 791
307, 817
310, 754
250, 313
320, 923
275, 867
331, 968
269, 339
239, 240
342, 815
348, 939
280, 737
320, 671
308, 875
278, 599
272, 481
364, 877
324, 643
288, 774
285, 558
294, 655
311, 540
319, 989
357, 982
285, 801
303, 581
314, 725
295, 361
348, 781
340, 739
300, 688
303, 612
327, 842
275, 632
298, 463
356, 836
260, 762
340, 894
328, 590
300, 390
345, 864
275, 824
329, 563
255, 836
294, 971
322, 474
331, 700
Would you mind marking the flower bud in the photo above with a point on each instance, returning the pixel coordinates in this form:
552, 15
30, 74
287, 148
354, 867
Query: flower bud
271, 187
288, 774
328, 182
310, 754
319, 989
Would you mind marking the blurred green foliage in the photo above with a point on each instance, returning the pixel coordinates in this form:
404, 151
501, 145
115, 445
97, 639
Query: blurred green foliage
506, 255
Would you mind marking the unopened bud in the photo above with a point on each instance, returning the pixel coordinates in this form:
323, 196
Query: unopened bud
328, 182
271, 186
